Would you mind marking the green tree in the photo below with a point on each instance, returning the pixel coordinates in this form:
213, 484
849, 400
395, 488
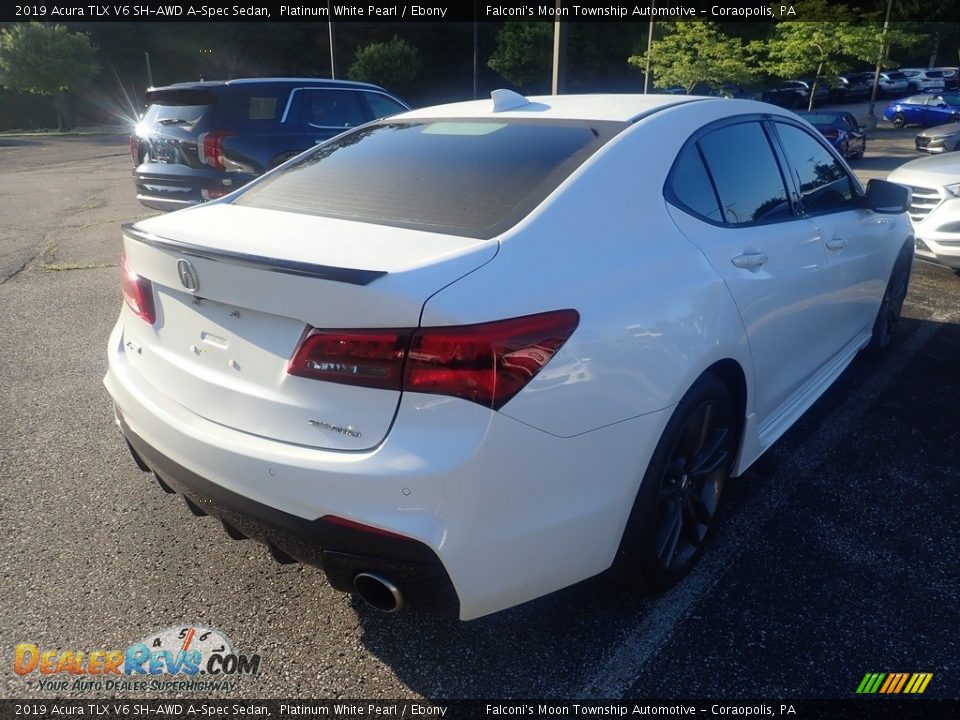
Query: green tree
822, 50
393, 64
47, 60
695, 52
524, 55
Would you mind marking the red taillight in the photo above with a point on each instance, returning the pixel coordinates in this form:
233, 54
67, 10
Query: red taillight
487, 363
371, 358
137, 292
210, 148
832, 134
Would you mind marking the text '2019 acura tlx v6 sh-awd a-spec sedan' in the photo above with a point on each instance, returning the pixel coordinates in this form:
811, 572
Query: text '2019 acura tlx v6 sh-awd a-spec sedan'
471, 354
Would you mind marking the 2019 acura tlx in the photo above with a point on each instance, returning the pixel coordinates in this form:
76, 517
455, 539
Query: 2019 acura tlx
471, 354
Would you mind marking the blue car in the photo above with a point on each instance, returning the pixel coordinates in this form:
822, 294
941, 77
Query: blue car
841, 129
927, 109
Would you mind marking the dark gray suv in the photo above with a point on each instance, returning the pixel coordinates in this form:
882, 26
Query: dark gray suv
201, 140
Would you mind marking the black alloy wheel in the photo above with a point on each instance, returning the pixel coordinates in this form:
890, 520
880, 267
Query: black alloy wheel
891, 306
898, 120
676, 507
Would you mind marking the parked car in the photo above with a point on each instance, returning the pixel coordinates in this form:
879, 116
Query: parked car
849, 88
422, 357
935, 206
198, 141
796, 93
924, 110
841, 129
942, 138
889, 84
923, 80
950, 78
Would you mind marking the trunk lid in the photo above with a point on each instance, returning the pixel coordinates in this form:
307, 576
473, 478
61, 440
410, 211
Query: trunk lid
236, 288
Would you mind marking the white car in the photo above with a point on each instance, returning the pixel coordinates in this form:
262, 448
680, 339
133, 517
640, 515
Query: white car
934, 206
472, 354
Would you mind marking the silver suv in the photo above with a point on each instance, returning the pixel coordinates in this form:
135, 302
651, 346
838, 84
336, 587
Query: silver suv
922, 79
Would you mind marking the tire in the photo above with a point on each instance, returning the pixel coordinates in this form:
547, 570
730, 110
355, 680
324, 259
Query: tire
898, 120
845, 150
888, 315
674, 513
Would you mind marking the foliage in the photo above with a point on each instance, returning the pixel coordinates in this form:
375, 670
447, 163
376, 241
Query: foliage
393, 64
46, 60
822, 50
524, 55
695, 52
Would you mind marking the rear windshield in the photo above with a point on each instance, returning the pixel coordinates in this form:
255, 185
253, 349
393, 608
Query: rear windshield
463, 177
177, 107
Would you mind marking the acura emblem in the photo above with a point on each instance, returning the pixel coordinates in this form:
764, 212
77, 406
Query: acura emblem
188, 275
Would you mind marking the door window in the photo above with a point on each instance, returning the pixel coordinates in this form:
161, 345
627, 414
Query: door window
332, 109
382, 106
823, 183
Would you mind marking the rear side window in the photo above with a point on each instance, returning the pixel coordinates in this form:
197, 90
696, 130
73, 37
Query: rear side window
464, 177
252, 107
746, 174
691, 185
333, 109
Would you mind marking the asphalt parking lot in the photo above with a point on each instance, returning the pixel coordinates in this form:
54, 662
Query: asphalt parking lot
837, 554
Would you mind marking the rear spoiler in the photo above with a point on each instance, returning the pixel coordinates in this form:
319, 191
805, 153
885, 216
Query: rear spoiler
351, 276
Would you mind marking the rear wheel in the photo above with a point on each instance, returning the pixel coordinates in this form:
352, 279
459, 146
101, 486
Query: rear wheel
898, 120
675, 510
888, 316
845, 150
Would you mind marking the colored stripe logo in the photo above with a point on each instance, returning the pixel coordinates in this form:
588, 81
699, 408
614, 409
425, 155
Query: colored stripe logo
894, 683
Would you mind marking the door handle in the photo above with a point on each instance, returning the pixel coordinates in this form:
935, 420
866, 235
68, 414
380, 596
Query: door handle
749, 261
836, 243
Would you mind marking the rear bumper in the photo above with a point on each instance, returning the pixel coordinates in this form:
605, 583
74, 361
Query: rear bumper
502, 511
342, 551
167, 187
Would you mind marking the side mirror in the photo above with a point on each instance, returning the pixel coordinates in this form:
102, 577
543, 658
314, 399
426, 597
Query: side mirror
887, 197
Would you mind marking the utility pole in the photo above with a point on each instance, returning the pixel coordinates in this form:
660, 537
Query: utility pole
146, 57
871, 119
559, 50
333, 65
646, 73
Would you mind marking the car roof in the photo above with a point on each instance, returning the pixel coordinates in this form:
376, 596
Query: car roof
599, 107
213, 84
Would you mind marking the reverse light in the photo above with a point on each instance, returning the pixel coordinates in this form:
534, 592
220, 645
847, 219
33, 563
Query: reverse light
137, 292
487, 363
210, 148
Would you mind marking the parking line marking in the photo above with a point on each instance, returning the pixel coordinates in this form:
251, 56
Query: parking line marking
642, 642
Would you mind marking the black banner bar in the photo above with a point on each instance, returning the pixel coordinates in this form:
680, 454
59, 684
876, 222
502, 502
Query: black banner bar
852, 709
453, 11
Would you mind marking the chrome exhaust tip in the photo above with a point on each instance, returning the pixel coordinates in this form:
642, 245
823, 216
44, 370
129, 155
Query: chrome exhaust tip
378, 592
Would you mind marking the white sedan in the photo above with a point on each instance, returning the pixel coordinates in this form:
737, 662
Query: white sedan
471, 354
